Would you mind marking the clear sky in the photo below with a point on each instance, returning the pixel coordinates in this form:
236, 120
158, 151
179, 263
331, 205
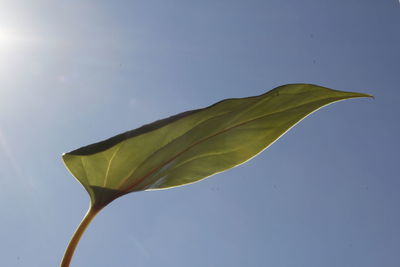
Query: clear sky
327, 194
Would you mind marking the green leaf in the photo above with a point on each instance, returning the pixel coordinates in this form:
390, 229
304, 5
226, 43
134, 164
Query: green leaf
193, 145
190, 146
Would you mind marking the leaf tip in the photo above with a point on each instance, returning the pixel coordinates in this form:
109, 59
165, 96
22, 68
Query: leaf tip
370, 96
364, 95
359, 95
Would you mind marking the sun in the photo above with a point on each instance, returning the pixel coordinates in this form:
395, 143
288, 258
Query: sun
5, 36
9, 36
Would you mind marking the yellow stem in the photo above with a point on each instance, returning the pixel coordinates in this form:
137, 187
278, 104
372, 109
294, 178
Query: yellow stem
69, 252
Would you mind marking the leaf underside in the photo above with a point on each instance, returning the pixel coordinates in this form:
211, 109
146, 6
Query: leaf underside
193, 145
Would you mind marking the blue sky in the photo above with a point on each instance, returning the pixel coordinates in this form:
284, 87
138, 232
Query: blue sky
76, 72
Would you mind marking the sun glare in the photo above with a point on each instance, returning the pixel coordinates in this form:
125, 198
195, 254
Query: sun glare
12, 37
8, 37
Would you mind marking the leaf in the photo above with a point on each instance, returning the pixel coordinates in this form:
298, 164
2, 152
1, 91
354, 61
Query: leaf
193, 145
189, 146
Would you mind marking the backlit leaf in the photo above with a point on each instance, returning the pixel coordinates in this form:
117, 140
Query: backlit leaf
190, 146
193, 145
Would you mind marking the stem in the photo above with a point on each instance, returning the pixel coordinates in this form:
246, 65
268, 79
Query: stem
69, 252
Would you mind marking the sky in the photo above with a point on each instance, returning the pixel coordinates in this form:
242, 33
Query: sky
76, 72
